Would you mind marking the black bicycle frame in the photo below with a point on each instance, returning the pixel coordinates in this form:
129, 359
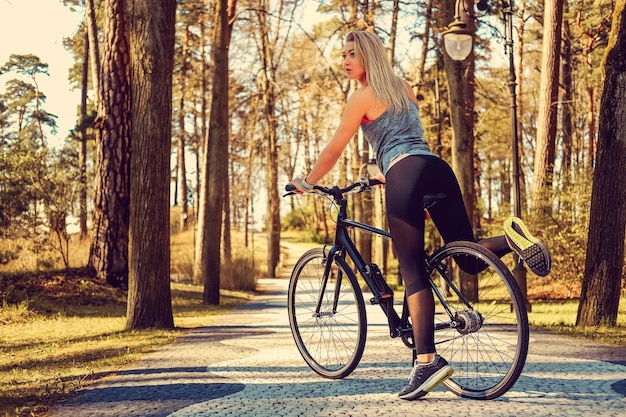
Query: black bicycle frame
344, 246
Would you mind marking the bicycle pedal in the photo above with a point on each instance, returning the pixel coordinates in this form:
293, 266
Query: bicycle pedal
385, 298
382, 292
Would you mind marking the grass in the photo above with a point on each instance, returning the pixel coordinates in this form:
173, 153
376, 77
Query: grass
46, 356
560, 317
60, 330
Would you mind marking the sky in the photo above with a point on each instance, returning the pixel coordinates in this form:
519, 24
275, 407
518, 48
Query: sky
38, 27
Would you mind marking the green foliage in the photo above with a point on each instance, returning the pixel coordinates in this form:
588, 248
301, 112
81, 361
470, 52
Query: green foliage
295, 219
36, 183
567, 242
566, 230
38, 195
24, 101
303, 220
29, 65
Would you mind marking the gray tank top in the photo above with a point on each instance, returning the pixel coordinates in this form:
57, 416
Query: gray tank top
392, 135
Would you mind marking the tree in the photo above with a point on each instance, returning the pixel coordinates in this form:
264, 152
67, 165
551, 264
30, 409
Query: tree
270, 56
181, 144
267, 86
548, 105
151, 36
593, 24
82, 159
30, 194
94, 48
31, 66
108, 257
425, 38
599, 299
461, 96
85, 46
215, 163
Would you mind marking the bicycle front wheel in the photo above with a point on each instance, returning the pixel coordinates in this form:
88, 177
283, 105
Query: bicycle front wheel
330, 338
488, 343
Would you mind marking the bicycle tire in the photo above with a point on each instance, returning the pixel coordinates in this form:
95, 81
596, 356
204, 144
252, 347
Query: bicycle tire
331, 342
487, 360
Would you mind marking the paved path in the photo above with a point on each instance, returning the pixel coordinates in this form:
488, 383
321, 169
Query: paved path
248, 365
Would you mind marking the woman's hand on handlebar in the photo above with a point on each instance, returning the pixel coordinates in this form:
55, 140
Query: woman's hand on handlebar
295, 183
380, 177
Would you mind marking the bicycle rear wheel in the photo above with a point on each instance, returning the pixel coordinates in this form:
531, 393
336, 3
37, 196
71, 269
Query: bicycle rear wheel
330, 340
489, 344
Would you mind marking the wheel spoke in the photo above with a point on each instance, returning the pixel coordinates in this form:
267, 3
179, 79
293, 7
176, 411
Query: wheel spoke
489, 347
331, 340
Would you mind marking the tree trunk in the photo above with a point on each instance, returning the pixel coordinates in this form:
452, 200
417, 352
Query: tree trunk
267, 84
208, 253
227, 248
393, 31
82, 150
182, 166
151, 34
425, 37
203, 106
461, 95
360, 239
94, 50
548, 106
108, 256
567, 113
599, 299
272, 221
591, 123
248, 199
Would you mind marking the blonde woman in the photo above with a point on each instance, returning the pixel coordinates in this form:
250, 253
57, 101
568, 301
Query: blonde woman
386, 110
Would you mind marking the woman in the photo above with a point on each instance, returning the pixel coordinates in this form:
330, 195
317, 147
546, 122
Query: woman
386, 110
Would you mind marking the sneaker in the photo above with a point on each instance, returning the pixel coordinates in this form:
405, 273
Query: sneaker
425, 377
533, 251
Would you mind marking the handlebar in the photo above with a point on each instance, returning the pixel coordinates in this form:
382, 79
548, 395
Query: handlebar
363, 184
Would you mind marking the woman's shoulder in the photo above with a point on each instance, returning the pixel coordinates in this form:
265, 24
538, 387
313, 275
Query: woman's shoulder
362, 97
363, 92
410, 92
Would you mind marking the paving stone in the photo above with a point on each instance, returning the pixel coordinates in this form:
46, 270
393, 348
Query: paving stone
248, 365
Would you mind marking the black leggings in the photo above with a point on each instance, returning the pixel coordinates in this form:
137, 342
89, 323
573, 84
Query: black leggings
406, 184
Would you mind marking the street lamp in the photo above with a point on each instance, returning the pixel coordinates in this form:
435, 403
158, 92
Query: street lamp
458, 39
457, 30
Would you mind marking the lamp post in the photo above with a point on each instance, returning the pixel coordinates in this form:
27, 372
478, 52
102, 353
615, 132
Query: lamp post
458, 33
457, 39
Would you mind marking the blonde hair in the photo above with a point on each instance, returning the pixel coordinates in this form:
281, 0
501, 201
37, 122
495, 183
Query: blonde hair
379, 75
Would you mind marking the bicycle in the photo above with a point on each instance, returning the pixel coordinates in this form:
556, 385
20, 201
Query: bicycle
481, 325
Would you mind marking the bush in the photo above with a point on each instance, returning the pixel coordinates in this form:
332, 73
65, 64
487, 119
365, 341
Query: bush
303, 220
294, 220
16, 313
181, 266
240, 273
